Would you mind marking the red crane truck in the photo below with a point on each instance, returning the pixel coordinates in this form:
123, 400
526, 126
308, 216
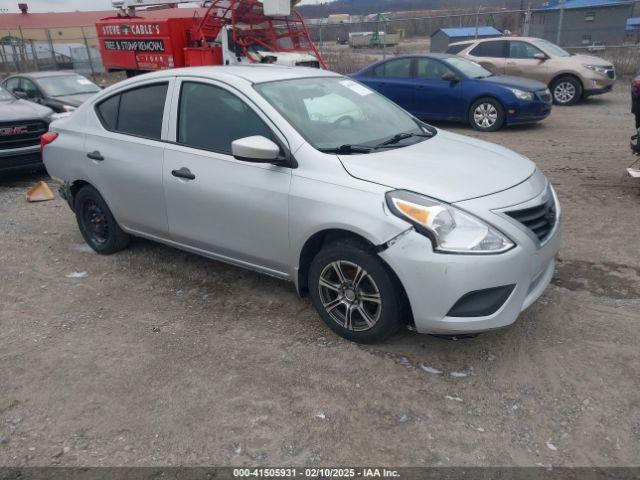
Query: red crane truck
223, 32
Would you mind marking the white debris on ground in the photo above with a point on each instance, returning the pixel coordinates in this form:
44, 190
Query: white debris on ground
77, 275
551, 446
321, 415
455, 399
428, 369
459, 374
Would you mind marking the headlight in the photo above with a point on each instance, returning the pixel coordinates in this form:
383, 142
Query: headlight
522, 95
69, 108
597, 68
450, 229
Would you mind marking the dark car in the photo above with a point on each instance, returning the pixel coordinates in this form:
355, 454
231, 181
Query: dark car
60, 91
451, 88
21, 125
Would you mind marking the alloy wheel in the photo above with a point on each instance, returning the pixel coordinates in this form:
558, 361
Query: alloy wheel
564, 92
95, 222
350, 296
485, 115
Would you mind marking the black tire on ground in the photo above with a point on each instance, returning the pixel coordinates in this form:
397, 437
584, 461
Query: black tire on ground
370, 320
566, 91
487, 115
97, 224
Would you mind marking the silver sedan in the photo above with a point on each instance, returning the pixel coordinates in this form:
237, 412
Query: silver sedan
311, 177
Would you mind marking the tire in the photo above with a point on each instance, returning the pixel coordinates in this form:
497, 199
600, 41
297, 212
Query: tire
486, 115
97, 224
376, 304
566, 91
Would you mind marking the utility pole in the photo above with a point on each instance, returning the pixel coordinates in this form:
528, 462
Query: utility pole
560, 21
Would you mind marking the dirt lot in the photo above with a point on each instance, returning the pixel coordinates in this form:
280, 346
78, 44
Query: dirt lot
158, 357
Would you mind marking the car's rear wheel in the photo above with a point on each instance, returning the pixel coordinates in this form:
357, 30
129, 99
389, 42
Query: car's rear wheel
354, 293
487, 115
566, 91
97, 224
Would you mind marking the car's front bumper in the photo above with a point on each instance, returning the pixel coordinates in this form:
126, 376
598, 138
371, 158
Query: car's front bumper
597, 84
436, 282
20, 158
528, 112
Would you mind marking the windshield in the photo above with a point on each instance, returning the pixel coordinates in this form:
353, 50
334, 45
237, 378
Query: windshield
550, 48
333, 112
5, 96
67, 85
468, 68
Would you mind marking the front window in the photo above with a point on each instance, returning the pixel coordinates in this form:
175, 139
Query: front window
67, 85
5, 96
468, 68
331, 113
550, 48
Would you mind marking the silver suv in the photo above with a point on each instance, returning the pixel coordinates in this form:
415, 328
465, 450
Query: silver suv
311, 177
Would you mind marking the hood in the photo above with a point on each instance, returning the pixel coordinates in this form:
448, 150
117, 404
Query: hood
19, 110
447, 167
74, 100
588, 60
515, 82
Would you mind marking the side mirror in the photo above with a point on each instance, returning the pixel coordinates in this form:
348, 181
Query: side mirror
450, 77
21, 94
256, 149
540, 56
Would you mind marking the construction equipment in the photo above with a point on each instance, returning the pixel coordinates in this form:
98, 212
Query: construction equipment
223, 32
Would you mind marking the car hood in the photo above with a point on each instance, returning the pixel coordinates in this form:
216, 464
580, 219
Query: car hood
447, 167
74, 100
515, 82
587, 60
18, 110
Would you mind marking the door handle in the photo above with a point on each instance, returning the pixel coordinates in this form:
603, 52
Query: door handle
97, 156
184, 172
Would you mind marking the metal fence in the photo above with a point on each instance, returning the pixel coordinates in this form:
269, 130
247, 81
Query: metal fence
351, 45
43, 49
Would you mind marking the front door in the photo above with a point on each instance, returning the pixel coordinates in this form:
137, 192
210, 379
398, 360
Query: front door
234, 210
437, 98
521, 61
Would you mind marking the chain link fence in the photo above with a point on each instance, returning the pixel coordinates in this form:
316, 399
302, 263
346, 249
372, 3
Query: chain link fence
27, 50
350, 45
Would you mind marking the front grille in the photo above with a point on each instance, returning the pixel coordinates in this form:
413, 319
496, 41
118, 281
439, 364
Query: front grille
540, 219
27, 134
545, 96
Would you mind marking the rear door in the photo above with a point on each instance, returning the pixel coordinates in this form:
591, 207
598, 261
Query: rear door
124, 155
394, 79
521, 61
436, 98
491, 54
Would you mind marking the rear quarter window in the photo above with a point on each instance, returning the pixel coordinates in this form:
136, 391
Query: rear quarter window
493, 49
454, 49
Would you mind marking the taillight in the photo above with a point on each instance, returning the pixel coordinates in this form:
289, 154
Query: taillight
46, 139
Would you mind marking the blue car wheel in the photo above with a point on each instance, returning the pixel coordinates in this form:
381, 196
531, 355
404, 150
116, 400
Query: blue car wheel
486, 115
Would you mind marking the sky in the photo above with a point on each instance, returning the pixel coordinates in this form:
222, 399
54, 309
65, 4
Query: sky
11, 6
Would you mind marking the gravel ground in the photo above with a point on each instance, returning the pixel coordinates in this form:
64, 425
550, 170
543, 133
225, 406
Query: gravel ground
159, 357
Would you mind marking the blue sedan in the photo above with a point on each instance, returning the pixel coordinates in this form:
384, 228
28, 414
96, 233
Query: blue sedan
450, 88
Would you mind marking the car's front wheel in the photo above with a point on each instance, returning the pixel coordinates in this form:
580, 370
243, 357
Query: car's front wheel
566, 91
97, 224
487, 115
354, 293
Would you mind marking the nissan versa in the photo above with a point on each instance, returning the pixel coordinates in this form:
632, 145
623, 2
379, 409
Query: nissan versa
311, 177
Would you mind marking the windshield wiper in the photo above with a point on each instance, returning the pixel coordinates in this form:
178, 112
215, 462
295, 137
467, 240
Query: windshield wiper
347, 149
402, 136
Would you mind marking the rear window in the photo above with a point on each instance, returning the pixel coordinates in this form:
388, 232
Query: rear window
453, 49
136, 112
495, 49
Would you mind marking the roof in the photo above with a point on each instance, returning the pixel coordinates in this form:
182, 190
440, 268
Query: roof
83, 19
469, 32
568, 4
